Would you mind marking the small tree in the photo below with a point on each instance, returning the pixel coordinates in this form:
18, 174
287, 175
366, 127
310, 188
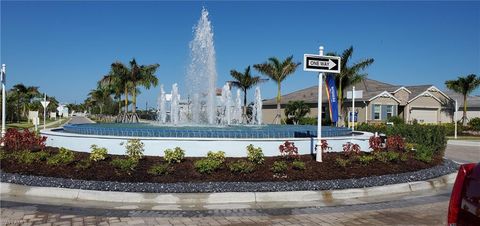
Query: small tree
295, 110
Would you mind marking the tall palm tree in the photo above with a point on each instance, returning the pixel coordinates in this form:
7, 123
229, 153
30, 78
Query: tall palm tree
277, 70
115, 83
464, 85
245, 81
100, 97
119, 77
141, 75
349, 75
25, 94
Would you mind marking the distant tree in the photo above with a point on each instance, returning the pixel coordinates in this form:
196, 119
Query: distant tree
24, 95
464, 85
349, 75
245, 81
277, 70
295, 110
142, 75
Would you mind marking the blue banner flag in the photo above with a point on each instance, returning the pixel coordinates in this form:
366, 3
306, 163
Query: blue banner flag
332, 97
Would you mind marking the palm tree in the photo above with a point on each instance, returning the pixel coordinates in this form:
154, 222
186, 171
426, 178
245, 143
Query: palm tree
141, 75
115, 83
119, 78
349, 75
245, 81
277, 70
24, 95
464, 85
296, 110
100, 96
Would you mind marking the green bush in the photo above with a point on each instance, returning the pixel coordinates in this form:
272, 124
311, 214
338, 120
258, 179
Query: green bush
403, 157
396, 120
433, 136
279, 167
241, 166
216, 155
307, 121
207, 165
83, 164
366, 159
387, 156
424, 153
342, 162
125, 165
3, 155
298, 165
27, 157
174, 156
474, 124
255, 155
135, 149
63, 157
97, 154
158, 169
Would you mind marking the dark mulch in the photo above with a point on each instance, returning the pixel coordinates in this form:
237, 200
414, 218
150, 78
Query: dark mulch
185, 171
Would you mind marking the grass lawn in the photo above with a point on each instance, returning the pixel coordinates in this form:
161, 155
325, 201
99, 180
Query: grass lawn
26, 125
473, 138
20, 125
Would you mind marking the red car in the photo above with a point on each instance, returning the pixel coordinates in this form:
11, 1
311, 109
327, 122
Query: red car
464, 207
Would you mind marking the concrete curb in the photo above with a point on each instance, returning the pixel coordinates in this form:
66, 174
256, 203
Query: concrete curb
225, 197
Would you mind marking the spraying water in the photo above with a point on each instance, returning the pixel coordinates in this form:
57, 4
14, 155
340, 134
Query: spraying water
175, 109
202, 73
161, 110
257, 108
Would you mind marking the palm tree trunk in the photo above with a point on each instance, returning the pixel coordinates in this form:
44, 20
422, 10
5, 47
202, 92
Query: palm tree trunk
119, 104
278, 116
464, 118
340, 121
134, 98
126, 99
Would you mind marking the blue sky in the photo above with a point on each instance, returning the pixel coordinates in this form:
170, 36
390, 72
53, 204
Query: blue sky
65, 47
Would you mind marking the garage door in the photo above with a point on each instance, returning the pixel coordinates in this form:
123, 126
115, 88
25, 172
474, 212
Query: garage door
424, 115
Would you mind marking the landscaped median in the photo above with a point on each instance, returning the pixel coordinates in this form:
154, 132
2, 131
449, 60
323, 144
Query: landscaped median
398, 164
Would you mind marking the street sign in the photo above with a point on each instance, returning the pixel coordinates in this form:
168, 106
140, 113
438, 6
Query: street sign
327, 64
45, 103
358, 94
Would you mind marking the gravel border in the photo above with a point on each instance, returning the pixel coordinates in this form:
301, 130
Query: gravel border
447, 167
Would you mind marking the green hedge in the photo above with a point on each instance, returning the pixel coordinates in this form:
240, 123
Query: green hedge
433, 136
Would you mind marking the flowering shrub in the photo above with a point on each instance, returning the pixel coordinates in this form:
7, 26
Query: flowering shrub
255, 155
395, 143
324, 145
174, 156
351, 148
288, 150
97, 154
135, 149
216, 155
15, 140
375, 143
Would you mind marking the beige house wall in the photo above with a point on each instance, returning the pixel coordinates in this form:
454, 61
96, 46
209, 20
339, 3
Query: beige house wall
360, 108
423, 102
403, 96
382, 101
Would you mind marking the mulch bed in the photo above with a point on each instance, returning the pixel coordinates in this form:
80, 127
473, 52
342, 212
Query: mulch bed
185, 171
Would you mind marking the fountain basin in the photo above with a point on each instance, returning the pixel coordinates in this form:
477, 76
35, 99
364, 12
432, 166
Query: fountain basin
197, 141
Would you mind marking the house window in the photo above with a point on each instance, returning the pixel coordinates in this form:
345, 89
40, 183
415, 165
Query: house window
389, 111
376, 112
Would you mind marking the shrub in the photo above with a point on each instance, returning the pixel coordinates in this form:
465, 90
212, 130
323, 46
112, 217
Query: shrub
396, 120
324, 145
174, 156
98, 154
298, 165
387, 156
83, 164
288, 150
279, 167
63, 157
3, 155
217, 156
424, 153
15, 140
158, 169
375, 143
403, 157
474, 124
241, 166
207, 165
27, 157
350, 148
409, 147
342, 162
255, 155
125, 165
395, 142
366, 159
135, 149
307, 121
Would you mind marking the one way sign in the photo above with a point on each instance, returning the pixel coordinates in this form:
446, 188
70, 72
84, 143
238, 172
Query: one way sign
328, 64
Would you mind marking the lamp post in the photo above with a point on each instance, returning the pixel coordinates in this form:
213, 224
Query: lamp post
3, 75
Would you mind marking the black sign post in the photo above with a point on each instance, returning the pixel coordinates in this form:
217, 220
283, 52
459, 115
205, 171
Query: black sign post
317, 63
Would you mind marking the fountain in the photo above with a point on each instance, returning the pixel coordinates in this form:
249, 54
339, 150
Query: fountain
201, 121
